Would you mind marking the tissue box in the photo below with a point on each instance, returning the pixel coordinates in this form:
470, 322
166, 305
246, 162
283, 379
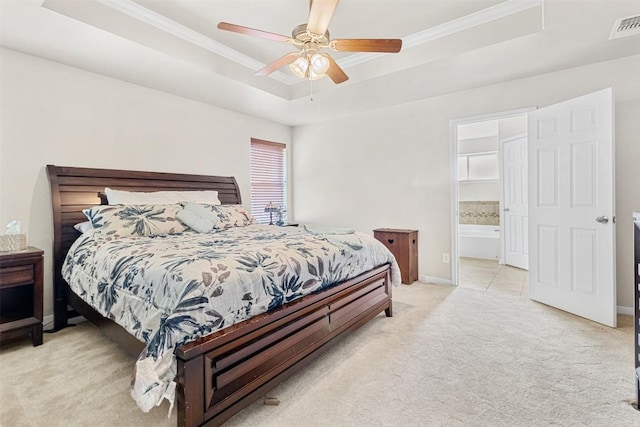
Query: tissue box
13, 242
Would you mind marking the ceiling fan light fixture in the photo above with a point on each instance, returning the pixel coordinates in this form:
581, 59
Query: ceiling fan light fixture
299, 67
319, 64
309, 39
314, 76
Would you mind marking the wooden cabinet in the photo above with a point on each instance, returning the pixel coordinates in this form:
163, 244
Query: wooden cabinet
403, 244
21, 294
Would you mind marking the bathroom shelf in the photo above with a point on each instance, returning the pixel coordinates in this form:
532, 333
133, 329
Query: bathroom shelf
481, 166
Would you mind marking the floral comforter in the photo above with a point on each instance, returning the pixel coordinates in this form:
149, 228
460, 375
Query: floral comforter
169, 290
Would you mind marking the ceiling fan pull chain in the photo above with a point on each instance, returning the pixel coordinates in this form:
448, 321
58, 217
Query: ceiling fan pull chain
311, 90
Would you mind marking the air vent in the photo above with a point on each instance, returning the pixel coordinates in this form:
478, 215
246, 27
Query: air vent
625, 27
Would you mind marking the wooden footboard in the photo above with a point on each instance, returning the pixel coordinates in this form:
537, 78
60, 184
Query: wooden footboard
221, 374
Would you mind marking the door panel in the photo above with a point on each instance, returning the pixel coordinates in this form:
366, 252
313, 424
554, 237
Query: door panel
572, 255
583, 260
515, 202
548, 255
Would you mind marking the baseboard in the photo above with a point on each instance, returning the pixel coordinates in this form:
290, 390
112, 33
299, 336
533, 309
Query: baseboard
625, 310
47, 322
436, 280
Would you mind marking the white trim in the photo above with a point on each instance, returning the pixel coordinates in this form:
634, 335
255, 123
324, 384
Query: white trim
454, 203
170, 26
436, 280
625, 310
141, 13
46, 321
501, 10
480, 17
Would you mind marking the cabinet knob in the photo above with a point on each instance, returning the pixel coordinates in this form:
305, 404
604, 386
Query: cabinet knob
390, 241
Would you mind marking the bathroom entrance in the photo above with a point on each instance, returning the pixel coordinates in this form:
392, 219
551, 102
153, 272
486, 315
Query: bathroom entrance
491, 203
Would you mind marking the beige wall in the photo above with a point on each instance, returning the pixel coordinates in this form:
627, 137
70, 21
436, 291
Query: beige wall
391, 167
55, 114
386, 168
471, 191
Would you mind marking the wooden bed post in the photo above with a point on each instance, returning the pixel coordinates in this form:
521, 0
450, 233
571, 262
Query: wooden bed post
190, 392
60, 311
389, 310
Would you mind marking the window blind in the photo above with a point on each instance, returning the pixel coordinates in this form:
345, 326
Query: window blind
268, 178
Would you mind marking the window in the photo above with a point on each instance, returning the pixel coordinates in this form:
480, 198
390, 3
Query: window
268, 179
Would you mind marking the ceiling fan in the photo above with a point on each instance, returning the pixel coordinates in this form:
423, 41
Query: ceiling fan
310, 38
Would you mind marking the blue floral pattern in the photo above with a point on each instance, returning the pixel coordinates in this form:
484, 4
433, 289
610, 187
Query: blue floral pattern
114, 222
171, 289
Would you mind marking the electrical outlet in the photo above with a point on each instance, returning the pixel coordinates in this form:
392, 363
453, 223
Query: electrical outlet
445, 258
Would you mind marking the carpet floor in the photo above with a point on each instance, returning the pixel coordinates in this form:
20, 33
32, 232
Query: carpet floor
448, 357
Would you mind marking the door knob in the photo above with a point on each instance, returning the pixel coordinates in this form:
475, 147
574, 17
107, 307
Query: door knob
505, 210
602, 219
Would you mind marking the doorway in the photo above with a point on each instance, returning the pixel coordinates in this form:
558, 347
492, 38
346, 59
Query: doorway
489, 241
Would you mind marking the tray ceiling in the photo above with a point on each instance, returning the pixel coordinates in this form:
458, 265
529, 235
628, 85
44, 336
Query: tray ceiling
174, 46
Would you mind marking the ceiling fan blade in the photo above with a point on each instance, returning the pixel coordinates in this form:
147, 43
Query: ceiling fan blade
320, 14
253, 32
366, 45
280, 62
336, 73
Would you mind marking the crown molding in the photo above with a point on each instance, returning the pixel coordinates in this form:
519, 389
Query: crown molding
501, 10
170, 26
498, 11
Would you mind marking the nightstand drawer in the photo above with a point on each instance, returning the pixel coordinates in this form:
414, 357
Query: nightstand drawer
18, 275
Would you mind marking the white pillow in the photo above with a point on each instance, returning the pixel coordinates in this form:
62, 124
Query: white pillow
198, 218
120, 197
205, 218
83, 227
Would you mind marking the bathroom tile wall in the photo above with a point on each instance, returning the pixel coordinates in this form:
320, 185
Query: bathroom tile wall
479, 212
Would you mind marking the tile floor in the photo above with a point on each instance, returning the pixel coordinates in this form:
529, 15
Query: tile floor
488, 275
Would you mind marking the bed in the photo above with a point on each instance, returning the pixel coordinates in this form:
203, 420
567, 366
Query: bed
220, 373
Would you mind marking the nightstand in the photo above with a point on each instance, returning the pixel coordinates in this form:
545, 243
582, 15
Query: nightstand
21, 294
403, 244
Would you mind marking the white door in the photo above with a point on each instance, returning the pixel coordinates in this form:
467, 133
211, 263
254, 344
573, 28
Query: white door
515, 202
571, 207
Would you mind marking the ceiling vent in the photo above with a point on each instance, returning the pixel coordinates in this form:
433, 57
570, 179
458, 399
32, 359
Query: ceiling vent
625, 27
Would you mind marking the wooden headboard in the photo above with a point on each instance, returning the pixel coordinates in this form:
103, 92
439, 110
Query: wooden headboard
75, 189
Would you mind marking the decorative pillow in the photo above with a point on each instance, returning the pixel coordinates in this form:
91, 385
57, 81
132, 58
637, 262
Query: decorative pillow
201, 218
120, 197
205, 218
232, 216
135, 220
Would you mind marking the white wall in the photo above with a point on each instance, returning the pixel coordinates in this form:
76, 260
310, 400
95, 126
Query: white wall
479, 191
391, 167
55, 114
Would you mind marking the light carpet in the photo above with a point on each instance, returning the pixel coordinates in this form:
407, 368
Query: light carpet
448, 357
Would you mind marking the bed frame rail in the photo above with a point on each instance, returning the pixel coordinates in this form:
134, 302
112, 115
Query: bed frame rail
240, 365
